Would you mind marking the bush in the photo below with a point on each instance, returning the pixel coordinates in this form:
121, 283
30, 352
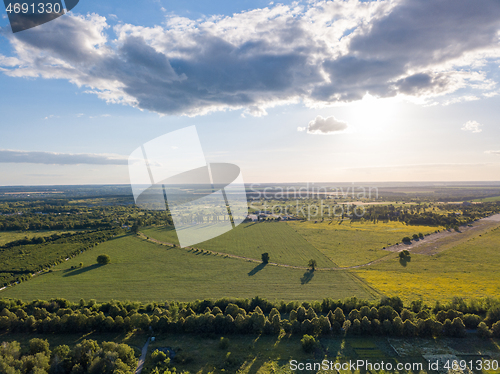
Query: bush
158, 356
406, 239
309, 343
483, 331
103, 259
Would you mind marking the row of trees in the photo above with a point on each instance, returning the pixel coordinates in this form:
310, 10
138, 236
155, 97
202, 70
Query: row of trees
59, 316
437, 215
86, 357
52, 251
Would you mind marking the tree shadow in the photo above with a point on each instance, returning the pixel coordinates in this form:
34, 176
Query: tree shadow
82, 270
253, 223
256, 269
307, 277
403, 261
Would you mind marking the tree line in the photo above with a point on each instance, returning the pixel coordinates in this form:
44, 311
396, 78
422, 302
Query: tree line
86, 357
20, 261
255, 316
430, 214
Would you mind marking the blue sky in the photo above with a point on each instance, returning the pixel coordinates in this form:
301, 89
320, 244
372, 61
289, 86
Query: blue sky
330, 91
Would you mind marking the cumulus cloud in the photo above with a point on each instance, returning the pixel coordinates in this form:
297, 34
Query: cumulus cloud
50, 158
320, 53
324, 126
472, 126
493, 152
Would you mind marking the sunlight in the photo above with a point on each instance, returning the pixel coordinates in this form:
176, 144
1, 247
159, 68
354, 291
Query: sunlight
374, 115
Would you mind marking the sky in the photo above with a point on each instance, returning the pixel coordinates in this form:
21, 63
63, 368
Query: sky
303, 91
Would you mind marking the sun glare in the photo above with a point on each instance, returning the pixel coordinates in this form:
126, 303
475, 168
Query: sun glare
374, 115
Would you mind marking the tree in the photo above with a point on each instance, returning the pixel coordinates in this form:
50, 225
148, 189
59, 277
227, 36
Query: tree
406, 239
265, 257
103, 259
312, 264
309, 343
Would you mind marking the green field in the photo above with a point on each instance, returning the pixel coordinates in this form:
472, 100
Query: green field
469, 269
250, 240
488, 199
145, 271
10, 236
350, 244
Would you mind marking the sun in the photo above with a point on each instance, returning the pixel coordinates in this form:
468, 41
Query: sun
374, 115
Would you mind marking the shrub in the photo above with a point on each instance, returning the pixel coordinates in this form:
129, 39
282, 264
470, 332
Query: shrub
406, 239
158, 356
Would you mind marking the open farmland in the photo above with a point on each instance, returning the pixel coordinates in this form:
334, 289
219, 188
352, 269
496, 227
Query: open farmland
10, 236
250, 240
355, 243
144, 271
469, 269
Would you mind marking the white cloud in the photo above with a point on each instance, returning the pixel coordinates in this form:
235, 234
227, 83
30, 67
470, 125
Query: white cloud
472, 126
493, 152
319, 53
52, 158
324, 126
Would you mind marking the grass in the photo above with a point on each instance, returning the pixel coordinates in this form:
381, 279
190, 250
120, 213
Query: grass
250, 240
246, 354
144, 271
10, 236
469, 270
350, 244
488, 199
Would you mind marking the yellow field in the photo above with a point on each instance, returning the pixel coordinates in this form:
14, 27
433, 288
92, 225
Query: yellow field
469, 270
350, 244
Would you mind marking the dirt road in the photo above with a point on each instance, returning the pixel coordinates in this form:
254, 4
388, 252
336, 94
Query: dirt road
435, 243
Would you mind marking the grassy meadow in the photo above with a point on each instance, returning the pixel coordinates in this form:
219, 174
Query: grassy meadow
144, 271
10, 236
250, 240
469, 269
356, 243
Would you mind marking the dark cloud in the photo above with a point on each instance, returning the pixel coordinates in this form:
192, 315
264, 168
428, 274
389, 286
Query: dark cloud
49, 158
269, 56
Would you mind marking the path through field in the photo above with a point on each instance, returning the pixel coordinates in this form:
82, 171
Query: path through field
248, 259
142, 359
430, 245
435, 243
